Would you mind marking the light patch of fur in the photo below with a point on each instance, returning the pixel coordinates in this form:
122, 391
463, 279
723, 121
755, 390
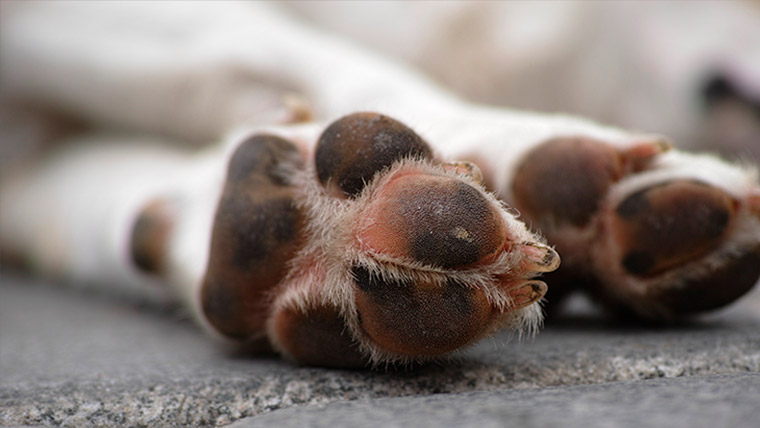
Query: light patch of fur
735, 179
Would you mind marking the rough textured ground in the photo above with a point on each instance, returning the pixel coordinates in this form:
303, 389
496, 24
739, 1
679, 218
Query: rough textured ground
73, 359
711, 401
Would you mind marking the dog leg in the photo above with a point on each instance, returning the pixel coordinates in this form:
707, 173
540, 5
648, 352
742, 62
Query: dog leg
359, 236
488, 284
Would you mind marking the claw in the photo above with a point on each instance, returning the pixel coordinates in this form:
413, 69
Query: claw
299, 110
465, 169
648, 149
638, 156
540, 258
527, 293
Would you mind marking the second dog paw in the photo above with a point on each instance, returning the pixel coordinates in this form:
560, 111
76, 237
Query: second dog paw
657, 233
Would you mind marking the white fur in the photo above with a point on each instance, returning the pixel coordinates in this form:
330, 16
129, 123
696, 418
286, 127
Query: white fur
198, 71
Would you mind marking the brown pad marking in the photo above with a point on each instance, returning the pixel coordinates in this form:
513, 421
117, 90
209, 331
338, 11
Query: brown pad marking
256, 231
355, 147
416, 318
150, 236
564, 180
669, 224
436, 220
317, 337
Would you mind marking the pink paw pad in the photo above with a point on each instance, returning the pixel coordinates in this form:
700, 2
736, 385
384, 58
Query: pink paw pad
435, 220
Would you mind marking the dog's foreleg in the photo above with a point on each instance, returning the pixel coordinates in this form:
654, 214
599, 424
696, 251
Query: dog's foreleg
337, 78
68, 214
194, 71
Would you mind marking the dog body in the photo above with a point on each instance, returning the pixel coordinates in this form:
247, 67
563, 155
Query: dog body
134, 210
582, 58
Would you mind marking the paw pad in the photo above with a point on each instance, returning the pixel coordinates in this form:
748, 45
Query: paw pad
564, 180
719, 287
418, 318
355, 147
662, 226
256, 231
635, 229
317, 336
435, 220
263, 158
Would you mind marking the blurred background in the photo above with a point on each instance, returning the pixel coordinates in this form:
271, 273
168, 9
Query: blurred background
688, 70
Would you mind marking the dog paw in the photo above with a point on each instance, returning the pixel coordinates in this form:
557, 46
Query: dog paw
365, 248
653, 232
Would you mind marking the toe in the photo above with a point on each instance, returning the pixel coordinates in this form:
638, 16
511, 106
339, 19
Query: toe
418, 318
434, 220
563, 181
316, 336
263, 158
356, 147
256, 231
663, 226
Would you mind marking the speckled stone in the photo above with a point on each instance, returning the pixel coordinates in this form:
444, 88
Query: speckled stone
713, 401
70, 358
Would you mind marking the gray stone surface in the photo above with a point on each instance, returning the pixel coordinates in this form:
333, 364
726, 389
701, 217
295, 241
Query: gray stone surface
714, 401
72, 358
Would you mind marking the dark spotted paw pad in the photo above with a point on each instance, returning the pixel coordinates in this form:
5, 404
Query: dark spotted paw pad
256, 231
356, 147
560, 187
564, 181
417, 225
439, 265
663, 226
435, 220
316, 336
684, 226
416, 318
715, 288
